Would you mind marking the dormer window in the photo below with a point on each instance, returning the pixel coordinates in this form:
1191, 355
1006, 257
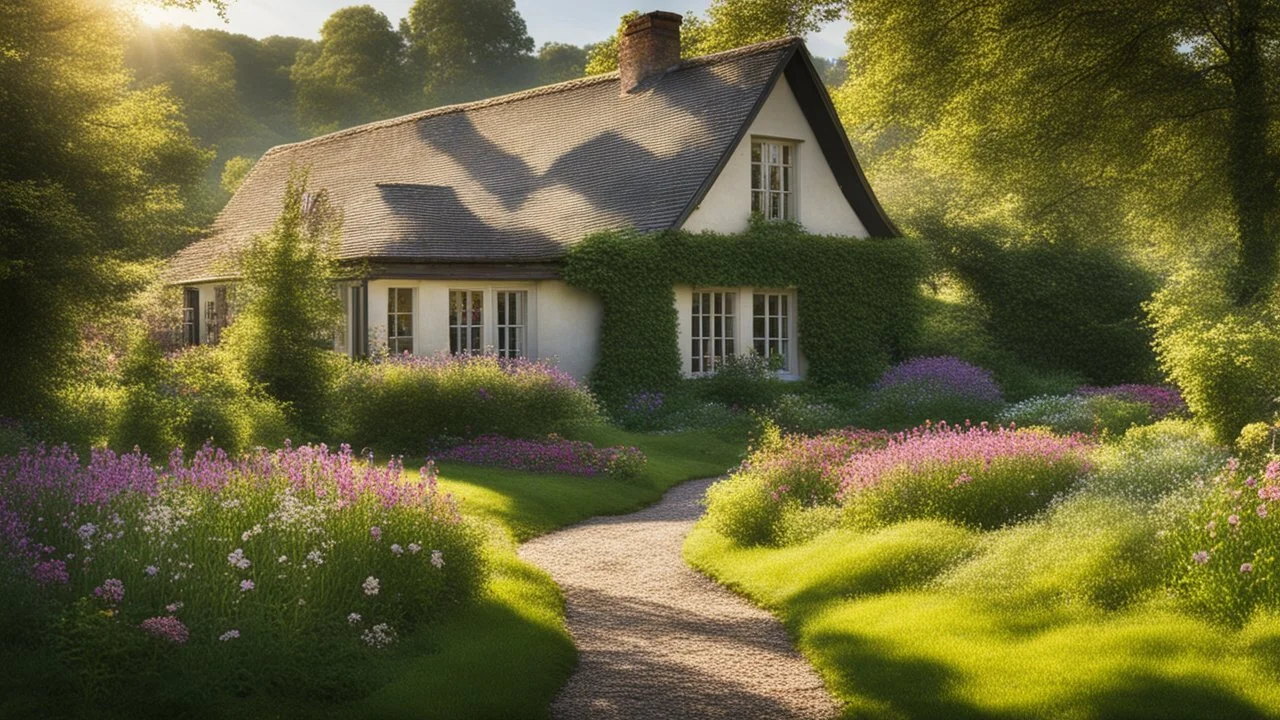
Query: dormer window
773, 178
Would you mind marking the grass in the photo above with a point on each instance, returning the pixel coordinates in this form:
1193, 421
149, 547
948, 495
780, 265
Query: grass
892, 640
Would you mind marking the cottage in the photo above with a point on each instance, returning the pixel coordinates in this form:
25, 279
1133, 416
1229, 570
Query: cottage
460, 216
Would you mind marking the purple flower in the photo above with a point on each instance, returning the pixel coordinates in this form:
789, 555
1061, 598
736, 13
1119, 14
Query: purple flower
1201, 557
50, 572
151, 570
166, 628
1162, 399
111, 591
246, 585
553, 455
943, 374
376, 533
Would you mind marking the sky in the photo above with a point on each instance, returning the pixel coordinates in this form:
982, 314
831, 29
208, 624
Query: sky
578, 22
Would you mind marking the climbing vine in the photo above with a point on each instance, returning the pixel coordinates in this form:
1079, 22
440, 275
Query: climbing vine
857, 299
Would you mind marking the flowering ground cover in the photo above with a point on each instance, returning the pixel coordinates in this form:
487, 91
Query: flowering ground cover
1145, 589
937, 389
552, 455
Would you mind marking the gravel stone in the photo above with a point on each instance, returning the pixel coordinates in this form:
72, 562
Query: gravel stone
658, 640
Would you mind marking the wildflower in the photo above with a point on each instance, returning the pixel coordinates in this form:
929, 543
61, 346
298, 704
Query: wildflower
229, 635
282, 559
437, 558
1273, 470
353, 618
255, 530
1201, 557
1233, 464
396, 549
415, 548
378, 636
166, 628
1262, 511
370, 585
111, 591
86, 531
173, 607
301, 602
1233, 520
246, 585
1246, 568
50, 572
151, 570
1251, 481
962, 479
376, 532
315, 558
238, 560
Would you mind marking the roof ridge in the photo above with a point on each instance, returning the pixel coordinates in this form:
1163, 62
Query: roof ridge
539, 91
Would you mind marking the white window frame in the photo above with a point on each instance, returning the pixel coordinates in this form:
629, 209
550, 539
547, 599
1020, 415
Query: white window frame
714, 316
782, 155
743, 327
771, 330
395, 340
504, 331
470, 336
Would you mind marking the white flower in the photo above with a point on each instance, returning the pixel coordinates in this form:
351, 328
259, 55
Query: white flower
396, 549
301, 602
415, 548
173, 607
315, 558
86, 531
379, 636
282, 559
353, 618
370, 585
229, 635
437, 558
255, 530
238, 560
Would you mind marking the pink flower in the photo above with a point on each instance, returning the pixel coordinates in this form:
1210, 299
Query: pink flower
167, 628
1233, 465
173, 607
1262, 511
376, 532
1246, 568
50, 572
962, 479
110, 591
1273, 470
1201, 557
1251, 481
1233, 520
246, 585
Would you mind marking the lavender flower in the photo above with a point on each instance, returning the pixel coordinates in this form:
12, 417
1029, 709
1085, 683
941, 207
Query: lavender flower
166, 628
111, 591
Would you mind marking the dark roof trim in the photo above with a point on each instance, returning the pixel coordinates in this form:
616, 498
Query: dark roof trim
815, 102
383, 270
811, 94
710, 180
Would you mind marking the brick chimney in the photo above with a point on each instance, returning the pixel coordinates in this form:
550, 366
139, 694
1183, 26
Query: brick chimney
649, 46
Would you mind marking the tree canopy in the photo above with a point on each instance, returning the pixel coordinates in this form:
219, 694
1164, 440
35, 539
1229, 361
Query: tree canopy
354, 74
461, 50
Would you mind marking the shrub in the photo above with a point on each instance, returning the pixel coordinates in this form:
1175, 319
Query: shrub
976, 476
802, 414
403, 403
1226, 359
1223, 544
1163, 401
257, 571
1256, 441
791, 472
1151, 462
553, 455
745, 381
937, 389
1100, 414
1088, 550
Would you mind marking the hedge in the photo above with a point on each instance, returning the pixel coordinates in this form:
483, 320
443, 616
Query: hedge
858, 299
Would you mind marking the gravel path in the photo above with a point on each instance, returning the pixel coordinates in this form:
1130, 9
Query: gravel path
658, 640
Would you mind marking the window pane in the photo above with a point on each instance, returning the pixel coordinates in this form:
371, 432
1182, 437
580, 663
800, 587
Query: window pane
786, 179
755, 152
775, 205
775, 177
786, 154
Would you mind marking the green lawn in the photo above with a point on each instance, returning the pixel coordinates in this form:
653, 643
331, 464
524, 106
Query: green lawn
891, 645
507, 655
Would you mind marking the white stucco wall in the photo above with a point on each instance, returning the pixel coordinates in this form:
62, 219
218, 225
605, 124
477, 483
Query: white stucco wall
564, 323
822, 206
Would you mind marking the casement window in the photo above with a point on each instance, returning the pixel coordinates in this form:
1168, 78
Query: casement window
191, 316
399, 320
771, 327
342, 333
466, 321
512, 322
773, 178
211, 326
713, 323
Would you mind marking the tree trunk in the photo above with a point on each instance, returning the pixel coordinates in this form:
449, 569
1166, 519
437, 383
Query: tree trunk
1252, 165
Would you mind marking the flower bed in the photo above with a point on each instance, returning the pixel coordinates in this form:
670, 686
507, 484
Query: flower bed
553, 455
1100, 413
937, 389
1164, 401
271, 553
974, 475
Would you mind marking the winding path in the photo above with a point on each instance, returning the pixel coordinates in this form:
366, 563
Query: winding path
656, 639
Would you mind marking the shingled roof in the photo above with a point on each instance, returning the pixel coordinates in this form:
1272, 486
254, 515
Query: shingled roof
517, 178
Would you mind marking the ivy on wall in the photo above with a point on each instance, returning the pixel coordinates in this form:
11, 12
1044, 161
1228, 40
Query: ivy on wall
858, 299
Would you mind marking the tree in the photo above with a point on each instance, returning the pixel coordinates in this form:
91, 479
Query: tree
1144, 122
94, 177
288, 304
234, 172
353, 75
462, 50
560, 61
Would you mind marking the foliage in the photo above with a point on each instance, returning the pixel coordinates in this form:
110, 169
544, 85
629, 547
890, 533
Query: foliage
1152, 462
743, 381
95, 177
857, 298
790, 473
234, 172
461, 50
1100, 414
1058, 306
405, 404
977, 476
253, 574
1225, 359
353, 75
551, 455
1222, 545
288, 305
559, 61
799, 413
1163, 400
938, 389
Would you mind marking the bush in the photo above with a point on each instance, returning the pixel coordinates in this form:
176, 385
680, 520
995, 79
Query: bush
803, 414
553, 455
744, 381
1226, 359
975, 476
249, 574
1152, 462
1161, 400
1223, 544
937, 389
1099, 414
1087, 550
787, 474
1059, 306
403, 404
